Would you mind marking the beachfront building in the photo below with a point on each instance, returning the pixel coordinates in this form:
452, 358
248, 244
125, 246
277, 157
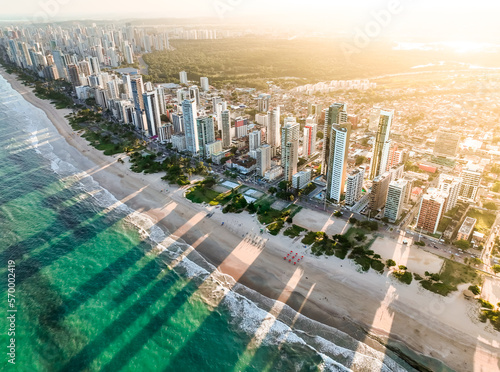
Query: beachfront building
337, 161
354, 186
290, 147
336, 114
165, 133
137, 95
382, 144
190, 126
179, 142
395, 199
431, 210
152, 112
378, 193
206, 134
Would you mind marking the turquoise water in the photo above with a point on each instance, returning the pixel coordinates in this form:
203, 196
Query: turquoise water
93, 294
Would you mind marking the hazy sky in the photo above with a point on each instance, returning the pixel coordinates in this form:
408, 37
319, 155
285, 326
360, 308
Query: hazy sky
451, 19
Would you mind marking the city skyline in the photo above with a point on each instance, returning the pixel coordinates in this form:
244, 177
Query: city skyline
168, 184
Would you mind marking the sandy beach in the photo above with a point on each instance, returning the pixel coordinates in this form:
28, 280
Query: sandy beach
369, 306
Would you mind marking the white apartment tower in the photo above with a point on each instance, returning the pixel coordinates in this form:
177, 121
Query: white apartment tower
264, 154
204, 84
337, 161
450, 185
471, 177
183, 77
254, 140
290, 147
190, 126
354, 186
395, 199
273, 129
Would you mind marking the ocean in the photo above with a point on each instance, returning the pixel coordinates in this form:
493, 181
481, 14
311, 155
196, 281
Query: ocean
95, 291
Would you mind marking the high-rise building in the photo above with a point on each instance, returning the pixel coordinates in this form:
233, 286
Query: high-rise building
178, 123
129, 54
354, 187
446, 143
160, 93
74, 75
432, 208
137, 94
337, 161
241, 127
183, 77
395, 199
314, 109
60, 63
84, 67
264, 154
301, 179
194, 93
95, 66
397, 172
382, 144
471, 179
450, 185
396, 157
335, 114
273, 129
218, 108
290, 147
309, 142
190, 126
254, 140
263, 102
204, 84
226, 129
152, 112
206, 133
378, 193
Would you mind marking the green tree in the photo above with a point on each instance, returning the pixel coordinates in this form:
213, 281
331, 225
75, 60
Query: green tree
496, 269
462, 244
319, 135
390, 263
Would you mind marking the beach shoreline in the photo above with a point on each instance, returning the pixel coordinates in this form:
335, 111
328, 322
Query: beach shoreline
362, 303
